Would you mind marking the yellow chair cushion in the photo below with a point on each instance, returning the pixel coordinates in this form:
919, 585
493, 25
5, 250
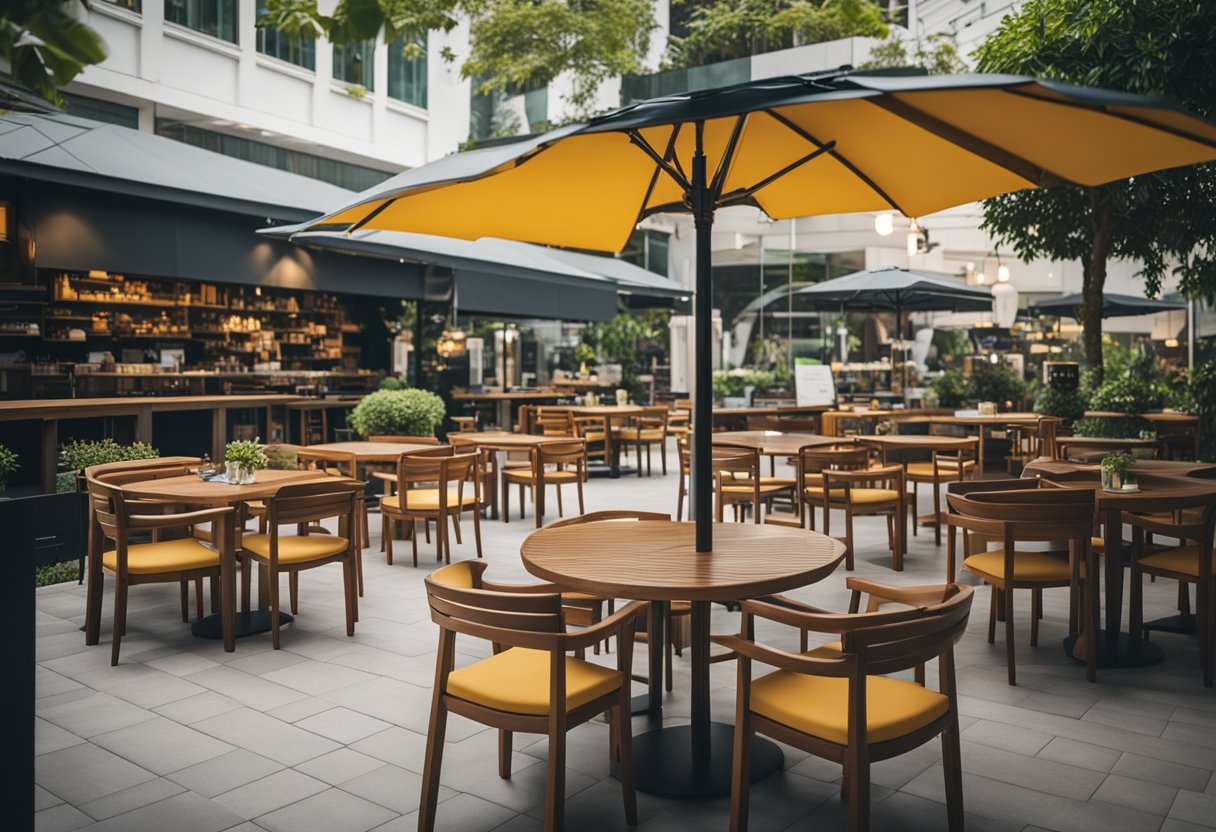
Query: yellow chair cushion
458, 575
525, 475
593, 435
427, 499
830, 650
164, 556
858, 496
296, 548
924, 470
517, 681
813, 480
818, 705
1027, 566
1182, 560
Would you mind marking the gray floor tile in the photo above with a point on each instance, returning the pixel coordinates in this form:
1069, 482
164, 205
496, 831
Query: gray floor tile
50, 737
195, 708
267, 736
1021, 740
60, 819
337, 767
186, 812
327, 811
225, 773
86, 772
342, 725
1159, 771
461, 813
1082, 754
1194, 807
44, 799
161, 745
395, 745
1136, 794
130, 799
96, 714
272, 792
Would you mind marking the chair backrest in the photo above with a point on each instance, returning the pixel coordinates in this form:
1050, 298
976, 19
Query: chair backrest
107, 470
562, 452
411, 440
622, 515
842, 457
439, 468
654, 417
1025, 514
554, 421
906, 638
312, 501
334, 462
734, 460
458, 604
980, 486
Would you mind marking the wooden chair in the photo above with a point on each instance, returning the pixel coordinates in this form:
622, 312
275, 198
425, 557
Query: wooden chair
854, 485
840, 704
555, 463
594, 429
554, 421
1177, 440
339, 464
304, 506
648, 429
1192, 525
529, 684
739, 483
434, 485
1029, 514
943, 467
180, 560
465, 424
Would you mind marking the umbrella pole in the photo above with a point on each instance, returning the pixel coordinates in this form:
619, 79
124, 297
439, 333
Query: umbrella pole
703, 394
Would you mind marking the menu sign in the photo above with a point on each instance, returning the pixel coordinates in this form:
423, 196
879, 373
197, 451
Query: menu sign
814, 385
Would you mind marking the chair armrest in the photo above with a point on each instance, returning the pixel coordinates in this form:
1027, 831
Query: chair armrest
1166, 528
794, 662
589, 636
384, 475
835, 623
915, 596
791, 604
521, 588
169, 521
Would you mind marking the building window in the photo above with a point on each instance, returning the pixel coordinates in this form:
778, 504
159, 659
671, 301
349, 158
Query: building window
648, 248
343, 174
353, 62
294, 49
407, 76
131, 5
212, 17
107, 111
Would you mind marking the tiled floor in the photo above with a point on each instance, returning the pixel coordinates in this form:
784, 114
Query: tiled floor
327, 733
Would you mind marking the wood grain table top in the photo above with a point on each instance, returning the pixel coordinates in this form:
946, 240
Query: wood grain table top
193, 491
364, 451
923, 441
501, 439
773, 442
657, 560
1160, 489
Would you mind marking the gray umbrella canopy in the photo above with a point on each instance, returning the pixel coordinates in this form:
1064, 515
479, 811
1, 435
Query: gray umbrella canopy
897, 290
1113, 306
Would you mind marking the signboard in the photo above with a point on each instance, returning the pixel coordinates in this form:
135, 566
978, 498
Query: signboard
814, 385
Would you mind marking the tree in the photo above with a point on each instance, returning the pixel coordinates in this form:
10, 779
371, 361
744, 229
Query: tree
514, 44
936, 54
724, 30
1165, 220
44, 47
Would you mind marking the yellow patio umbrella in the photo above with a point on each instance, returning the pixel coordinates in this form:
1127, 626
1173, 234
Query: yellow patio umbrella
793, 146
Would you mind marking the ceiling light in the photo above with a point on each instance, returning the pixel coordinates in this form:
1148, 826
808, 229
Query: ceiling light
884, 224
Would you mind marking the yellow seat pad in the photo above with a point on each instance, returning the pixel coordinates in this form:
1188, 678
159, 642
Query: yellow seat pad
813, 480
1183, 560
517, 681
427, 499
946, 469
829, 650
525, 475
858, 496
818, 705
296, 548
164, 556
1027, 566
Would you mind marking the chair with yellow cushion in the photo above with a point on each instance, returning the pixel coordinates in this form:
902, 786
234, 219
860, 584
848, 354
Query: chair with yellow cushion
649, 428
1192, 524
435, 485
113, 520
1028, 515
945, 466
839, 703
557, 462
739, 483
852, 483
304, 505
529, 684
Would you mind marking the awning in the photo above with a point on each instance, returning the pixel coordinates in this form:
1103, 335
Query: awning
77, 151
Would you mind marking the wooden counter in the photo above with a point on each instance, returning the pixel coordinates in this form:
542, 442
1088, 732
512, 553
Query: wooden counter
50, 412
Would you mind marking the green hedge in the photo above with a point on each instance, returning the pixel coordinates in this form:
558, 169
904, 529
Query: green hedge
409, 412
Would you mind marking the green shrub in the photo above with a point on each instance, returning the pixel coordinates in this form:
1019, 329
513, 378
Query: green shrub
1125, 427
735, 382
1137, 392
1203, 389
951, 389
79, 454
408, 412
249, 454
57, 573
281, 457
1068, 405
8, 466
996, 383
391, 383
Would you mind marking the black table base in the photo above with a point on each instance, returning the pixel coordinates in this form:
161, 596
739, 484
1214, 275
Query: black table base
246, 624
1123, 651
662, 764
1183, 624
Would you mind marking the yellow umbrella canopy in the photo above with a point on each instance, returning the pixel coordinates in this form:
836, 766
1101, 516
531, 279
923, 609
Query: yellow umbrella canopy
793, 147
796, 146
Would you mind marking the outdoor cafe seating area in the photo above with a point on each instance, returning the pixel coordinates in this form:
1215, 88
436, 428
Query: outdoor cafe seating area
1013, 678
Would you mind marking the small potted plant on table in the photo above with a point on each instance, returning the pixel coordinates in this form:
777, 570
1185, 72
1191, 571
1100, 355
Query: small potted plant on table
1116, 473
243, 459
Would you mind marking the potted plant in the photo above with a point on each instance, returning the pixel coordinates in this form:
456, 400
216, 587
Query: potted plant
244, 458
8, 466
1116, 472
410, 412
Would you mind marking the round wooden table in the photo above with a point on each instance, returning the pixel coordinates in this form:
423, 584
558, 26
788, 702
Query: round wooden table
1159, 492
363, 451
922, 442
499, 441
774, 442
610, 413
657, 561
190, 490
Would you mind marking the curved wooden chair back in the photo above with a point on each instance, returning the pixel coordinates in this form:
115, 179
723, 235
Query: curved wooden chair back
554, 421
311, 502
842, 457
1028, 515
562, 453
510, 619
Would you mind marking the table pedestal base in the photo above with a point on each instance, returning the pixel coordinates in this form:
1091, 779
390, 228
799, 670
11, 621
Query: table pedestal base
1183, 624
1123, 651
662, 764
246, 624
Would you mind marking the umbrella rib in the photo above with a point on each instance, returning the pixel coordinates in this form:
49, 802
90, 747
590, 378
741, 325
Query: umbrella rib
747, 193
1036, 175
636, 138
371, 215
839, 157
654, 177
719, 180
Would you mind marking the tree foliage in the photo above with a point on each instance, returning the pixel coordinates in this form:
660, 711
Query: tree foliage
723, 30
514, 44
937, 54
1165, 220
45, 46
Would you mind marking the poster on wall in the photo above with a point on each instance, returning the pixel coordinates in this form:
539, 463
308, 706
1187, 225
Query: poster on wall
814, 385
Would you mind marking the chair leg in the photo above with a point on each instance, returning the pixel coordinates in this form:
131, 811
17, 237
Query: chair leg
937, 516
432, 763
555, 793
352, 597
185, 589
120, 618
477, 527
993, 598
915, 501
578, 487
557, 486
624, 748
859, 791
1009, 644
386, 538
414, 539
848, 538
1036, 612
215, 593
504, 754
293, 591
740, 777
952, 763
273, 587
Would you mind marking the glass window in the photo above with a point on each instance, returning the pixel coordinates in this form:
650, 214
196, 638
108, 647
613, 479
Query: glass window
353, 62
294, 49
107, 111
407, 76
213, 17
133, 5
648, 248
